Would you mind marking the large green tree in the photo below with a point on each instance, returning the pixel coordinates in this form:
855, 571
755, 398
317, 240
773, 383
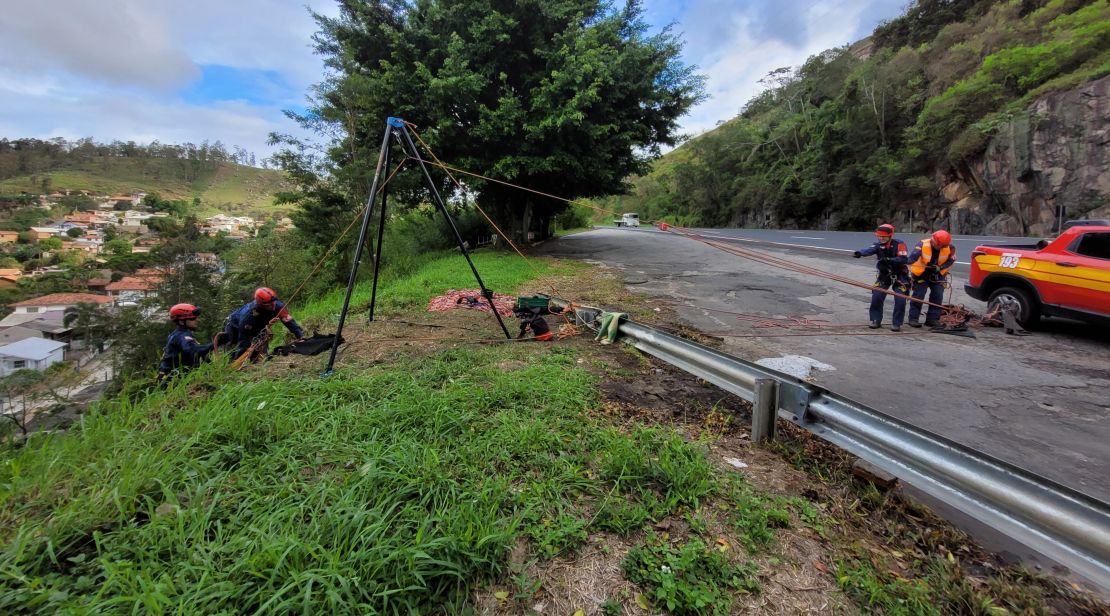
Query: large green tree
569, 97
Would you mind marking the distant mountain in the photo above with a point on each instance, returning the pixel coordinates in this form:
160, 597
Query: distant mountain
209, 173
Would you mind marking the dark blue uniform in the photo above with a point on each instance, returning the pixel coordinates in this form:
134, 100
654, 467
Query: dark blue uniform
182, 351
251, 319
892, 258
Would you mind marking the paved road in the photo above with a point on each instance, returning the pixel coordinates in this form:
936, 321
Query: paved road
849, 241
1039, 401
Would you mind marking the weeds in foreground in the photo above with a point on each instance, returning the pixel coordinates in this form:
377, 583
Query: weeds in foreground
688, 579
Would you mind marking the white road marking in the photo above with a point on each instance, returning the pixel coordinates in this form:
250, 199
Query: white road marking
802, 237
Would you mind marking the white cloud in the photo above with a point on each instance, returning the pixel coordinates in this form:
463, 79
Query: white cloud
114, 69
119, 42
735, 46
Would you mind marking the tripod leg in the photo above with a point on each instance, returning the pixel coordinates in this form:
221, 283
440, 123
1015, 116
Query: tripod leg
382, 155
381, 240
451, 222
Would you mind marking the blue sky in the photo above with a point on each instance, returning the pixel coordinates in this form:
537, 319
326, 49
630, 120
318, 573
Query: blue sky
217, 69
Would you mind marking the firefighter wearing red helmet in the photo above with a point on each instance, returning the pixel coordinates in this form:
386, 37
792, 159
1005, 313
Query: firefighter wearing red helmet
250, 320
182, 351
929, 265
891, 258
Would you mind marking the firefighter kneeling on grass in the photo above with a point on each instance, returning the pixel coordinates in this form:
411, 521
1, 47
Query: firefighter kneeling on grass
248, 322
182, 352
891, 258
929, 265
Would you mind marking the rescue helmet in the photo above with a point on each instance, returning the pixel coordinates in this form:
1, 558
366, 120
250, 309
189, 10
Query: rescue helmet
942, 238
885, 232
180, 312
265, 295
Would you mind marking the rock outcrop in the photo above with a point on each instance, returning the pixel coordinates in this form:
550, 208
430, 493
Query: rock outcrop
1050, 163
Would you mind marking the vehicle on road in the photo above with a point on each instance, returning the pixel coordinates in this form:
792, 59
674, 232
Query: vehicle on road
1066, 277
629, 219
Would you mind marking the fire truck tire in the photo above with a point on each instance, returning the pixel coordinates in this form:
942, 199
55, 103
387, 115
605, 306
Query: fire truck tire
1025, 308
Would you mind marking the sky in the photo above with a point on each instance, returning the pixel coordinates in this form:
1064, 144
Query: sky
179, 72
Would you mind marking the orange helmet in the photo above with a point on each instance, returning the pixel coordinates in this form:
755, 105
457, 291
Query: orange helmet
942, 238
265, 295
885, 231
180, 312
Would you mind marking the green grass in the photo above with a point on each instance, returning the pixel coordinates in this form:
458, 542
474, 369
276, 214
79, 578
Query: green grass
501, 271
228, 188
690, 578
390, 489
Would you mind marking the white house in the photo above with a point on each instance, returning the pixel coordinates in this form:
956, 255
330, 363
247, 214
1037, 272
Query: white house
33, 353
55, 302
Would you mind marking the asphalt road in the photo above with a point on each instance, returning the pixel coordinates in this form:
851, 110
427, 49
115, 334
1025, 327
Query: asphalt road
848, 241
1040, 401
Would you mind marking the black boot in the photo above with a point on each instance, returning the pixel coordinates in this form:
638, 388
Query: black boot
895, 328
875, 325
914, 323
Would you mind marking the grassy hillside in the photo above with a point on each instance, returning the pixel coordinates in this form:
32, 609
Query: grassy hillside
853, 137
225, 187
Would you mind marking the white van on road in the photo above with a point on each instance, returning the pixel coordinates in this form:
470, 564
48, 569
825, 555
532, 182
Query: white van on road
628, 220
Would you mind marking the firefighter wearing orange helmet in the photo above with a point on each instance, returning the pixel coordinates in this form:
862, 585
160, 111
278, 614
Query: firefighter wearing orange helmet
183, 352
891, 257
250, 320
929, 265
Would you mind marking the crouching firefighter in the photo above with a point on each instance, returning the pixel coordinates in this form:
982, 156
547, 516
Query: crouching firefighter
182, 352
929, 265
247, 326
891, 258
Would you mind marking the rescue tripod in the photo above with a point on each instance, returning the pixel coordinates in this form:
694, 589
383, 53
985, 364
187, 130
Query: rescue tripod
395, 129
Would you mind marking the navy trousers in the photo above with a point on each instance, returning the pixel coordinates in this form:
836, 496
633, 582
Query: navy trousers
885, 281
936, 296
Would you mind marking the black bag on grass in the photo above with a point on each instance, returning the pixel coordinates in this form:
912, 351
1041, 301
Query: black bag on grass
315, 345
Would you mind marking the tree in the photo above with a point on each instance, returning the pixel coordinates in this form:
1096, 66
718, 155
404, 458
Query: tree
89, 321
20, 391
118, 247
50, 243
563, 96
122, 205
75, 232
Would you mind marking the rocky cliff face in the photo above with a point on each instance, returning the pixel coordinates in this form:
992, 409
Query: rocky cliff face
1049, 163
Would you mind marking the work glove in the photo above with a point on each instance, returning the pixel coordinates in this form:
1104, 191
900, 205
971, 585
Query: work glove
857, 254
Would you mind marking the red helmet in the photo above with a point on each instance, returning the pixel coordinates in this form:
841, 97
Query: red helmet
180, 312
942, 238
265, 295
885, 231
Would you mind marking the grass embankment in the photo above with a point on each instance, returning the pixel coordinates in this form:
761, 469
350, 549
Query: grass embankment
384, 489
507, 478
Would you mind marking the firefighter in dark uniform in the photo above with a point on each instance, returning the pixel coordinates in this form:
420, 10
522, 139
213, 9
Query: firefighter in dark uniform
183, 352
891, 258
929, 265
250, 320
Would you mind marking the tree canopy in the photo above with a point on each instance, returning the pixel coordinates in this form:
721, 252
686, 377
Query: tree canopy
563, 96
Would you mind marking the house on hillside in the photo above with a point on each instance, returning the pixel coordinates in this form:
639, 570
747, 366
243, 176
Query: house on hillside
55, 302
50, 325
41, 233
84, 219
9, 237
128, 290
33, 353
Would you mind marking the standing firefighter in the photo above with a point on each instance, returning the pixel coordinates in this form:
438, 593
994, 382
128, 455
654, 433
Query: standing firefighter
929, 265
249, 322
182, 352
891, 257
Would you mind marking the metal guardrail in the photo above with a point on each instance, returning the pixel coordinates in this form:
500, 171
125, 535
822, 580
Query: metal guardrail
1065, 526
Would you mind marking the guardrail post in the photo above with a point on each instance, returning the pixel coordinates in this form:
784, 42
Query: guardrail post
764, 410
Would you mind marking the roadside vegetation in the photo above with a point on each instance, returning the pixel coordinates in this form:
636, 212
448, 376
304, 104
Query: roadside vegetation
858, 131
